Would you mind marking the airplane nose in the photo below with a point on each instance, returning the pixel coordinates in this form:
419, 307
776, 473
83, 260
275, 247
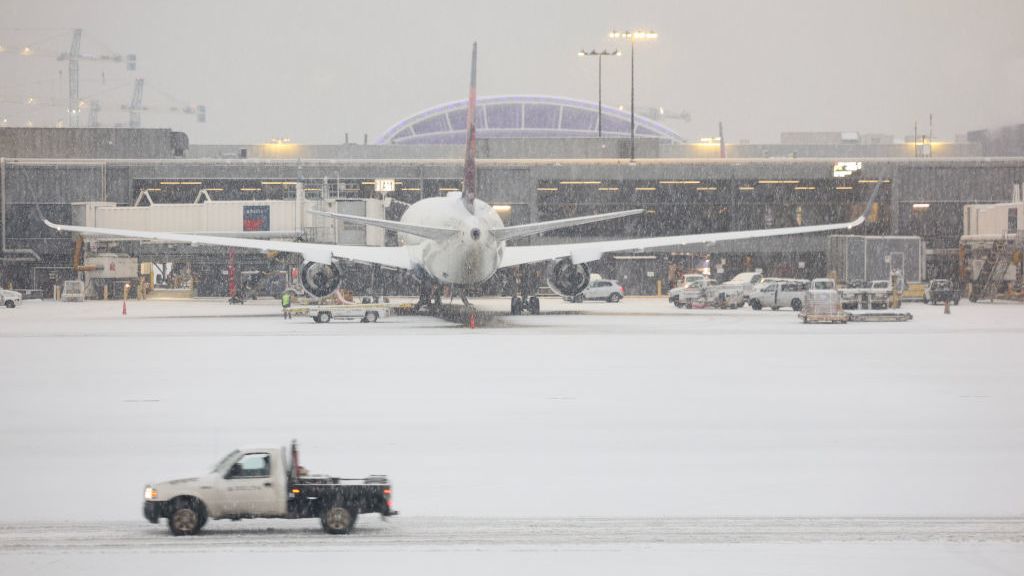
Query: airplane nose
474, 233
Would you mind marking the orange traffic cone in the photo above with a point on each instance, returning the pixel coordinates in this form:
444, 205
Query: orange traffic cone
472, 321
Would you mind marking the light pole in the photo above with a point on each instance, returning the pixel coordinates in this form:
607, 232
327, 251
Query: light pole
600, 55
633, 36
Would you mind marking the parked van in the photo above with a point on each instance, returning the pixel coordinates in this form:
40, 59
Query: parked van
779, 294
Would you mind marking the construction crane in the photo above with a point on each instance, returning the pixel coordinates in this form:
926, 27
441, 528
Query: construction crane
135, 107
74, 56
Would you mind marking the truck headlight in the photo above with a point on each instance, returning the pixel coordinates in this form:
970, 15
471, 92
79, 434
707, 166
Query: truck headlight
150, 493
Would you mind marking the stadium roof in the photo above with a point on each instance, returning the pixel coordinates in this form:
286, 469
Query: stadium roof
520, 117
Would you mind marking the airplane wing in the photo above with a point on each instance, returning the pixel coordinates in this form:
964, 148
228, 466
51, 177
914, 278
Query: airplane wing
510, 232
589, 251
583, 252
397, 256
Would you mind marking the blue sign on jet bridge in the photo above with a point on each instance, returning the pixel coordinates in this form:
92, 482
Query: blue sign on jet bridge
256, 218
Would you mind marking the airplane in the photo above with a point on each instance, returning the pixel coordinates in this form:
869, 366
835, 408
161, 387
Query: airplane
459, 240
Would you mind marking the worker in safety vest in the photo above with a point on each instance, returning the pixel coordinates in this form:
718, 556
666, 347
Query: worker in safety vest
286, 303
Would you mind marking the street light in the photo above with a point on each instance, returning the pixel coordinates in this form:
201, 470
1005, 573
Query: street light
600, 55
633, 36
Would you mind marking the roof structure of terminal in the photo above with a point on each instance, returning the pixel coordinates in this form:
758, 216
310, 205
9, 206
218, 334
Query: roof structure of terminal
521, 117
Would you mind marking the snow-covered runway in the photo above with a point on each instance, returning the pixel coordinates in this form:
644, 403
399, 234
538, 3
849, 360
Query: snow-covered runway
665, 436
558, 533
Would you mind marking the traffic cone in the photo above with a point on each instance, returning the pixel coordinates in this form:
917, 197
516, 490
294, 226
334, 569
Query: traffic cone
124, 308
947, 307
472, 321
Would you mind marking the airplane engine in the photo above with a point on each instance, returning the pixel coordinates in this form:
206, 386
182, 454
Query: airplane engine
566, 278
319, 279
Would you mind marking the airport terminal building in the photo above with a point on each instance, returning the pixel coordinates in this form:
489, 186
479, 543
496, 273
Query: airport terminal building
540, 159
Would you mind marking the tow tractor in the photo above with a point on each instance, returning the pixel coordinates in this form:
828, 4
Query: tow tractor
266, 483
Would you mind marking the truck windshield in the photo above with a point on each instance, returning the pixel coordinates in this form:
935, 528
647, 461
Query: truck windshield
224, 462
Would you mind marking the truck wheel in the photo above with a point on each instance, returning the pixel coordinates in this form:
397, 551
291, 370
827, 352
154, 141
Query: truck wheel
9, 303
755, 304
338, 520
796, 304
187, 518
322, 317
679, 304
371, 316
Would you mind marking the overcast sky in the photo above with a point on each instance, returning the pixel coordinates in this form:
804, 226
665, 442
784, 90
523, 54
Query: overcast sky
314, 70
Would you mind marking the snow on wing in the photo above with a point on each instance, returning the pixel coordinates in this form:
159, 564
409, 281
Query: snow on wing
397, 257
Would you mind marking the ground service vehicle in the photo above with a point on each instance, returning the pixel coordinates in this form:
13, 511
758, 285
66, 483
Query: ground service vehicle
779, 294
10, 298
696, 291
939, 291
609, 290
739, 288
867, 295
324, 313
265, 483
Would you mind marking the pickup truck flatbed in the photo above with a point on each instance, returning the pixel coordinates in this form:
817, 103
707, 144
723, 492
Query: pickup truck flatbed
265, 483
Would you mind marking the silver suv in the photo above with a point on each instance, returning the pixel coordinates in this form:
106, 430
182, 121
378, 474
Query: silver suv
9, 298
608, 290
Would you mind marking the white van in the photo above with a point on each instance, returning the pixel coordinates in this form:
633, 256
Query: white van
779, 294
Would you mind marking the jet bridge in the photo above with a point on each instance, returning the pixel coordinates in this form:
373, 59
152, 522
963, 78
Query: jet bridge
253, 218
213, 270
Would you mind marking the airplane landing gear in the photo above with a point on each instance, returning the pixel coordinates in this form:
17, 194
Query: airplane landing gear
526, 304
430, 296
524, 294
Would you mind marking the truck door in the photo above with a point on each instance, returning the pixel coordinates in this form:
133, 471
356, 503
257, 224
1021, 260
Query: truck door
251, 488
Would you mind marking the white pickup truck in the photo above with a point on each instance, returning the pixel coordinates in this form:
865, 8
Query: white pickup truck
265, 483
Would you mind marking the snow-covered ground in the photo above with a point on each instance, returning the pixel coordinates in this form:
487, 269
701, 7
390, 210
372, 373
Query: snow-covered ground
629, 414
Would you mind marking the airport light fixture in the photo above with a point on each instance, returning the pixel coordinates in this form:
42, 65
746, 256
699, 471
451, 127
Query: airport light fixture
632, 36
600, 56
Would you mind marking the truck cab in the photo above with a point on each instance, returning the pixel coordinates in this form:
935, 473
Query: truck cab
264, 483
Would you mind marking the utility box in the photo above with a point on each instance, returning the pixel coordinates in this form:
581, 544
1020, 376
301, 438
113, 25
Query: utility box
110, 266
74, 291
868, 258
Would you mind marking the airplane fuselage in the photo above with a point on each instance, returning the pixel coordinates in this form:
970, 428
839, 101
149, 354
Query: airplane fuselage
471, 256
